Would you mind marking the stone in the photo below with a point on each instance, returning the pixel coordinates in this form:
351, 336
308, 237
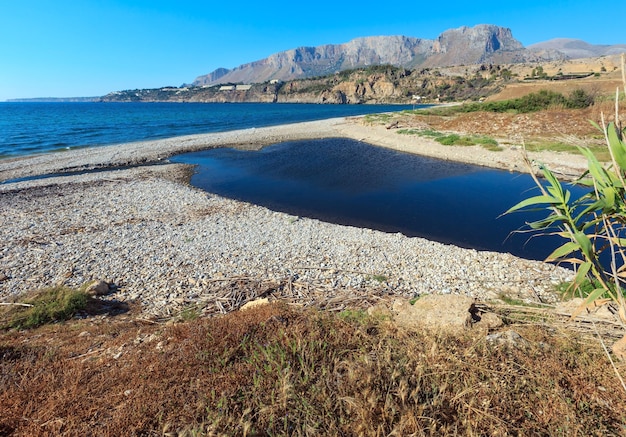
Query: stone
490, 321
593, 309
619, 349
380, 310
508, 338
254, 303
449, 312
98, 288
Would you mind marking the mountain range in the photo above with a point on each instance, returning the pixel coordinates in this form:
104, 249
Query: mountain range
481, 44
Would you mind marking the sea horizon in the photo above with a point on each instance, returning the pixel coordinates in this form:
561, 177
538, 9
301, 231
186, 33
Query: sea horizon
28, 128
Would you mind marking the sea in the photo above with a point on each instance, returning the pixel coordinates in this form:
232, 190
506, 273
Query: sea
28, 128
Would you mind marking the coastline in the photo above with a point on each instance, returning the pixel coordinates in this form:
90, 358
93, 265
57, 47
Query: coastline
136, 223
157, 151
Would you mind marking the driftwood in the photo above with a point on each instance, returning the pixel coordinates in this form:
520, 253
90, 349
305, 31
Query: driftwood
224, 295
584, 324
16, 304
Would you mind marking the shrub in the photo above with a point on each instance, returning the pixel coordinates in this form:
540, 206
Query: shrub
579, 99
532, 102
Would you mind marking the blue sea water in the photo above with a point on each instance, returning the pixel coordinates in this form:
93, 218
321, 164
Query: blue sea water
30, 128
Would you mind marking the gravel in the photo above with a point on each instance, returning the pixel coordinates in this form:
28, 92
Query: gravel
162, 242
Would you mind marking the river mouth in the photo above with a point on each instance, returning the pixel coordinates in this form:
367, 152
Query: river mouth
353, 183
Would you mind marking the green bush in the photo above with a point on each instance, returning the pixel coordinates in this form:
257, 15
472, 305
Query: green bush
533, 102
449, 140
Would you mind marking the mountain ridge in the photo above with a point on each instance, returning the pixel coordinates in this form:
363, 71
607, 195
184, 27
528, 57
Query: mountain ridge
483, 43
577, 49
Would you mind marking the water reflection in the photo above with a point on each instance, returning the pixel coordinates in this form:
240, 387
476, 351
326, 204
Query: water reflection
352, 183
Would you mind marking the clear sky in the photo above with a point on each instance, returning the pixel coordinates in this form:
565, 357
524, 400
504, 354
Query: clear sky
69, 48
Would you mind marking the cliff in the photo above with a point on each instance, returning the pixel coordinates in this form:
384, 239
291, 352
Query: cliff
480, 44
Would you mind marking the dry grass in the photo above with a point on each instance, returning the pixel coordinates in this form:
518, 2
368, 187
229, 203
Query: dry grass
276, 370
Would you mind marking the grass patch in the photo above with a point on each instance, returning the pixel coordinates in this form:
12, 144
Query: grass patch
586, 287
45, 306
378, 278
600, 151
191, 312
278, 370
518, 302
414, 299
455, 139
408, 131
358, 316
378, 118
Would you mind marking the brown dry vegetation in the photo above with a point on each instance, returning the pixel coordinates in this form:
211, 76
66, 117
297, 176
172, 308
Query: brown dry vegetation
277, 370
553, 124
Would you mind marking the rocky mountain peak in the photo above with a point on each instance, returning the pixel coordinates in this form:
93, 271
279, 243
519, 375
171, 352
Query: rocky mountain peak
472, 45
465, 45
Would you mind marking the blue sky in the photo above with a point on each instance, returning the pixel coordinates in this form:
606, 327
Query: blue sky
66, 48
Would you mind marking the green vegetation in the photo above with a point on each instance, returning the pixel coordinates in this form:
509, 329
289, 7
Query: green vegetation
569, 290
46, 306
599, 151
414, 299
518, 302
191, 312
539, 73
358, 316
388, 70
454, 139
593, 225
378, 278
533, 102
378, 118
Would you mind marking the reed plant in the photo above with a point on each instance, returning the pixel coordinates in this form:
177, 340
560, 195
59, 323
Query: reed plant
593, 225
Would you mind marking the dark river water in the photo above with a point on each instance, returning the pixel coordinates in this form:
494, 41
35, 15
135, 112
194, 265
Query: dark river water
352, 183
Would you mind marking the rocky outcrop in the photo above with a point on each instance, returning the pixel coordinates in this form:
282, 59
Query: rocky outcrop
323, 60
480, 44
473, 45
213, 77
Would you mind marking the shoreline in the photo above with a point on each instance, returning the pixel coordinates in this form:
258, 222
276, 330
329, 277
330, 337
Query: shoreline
158, 151
162, 242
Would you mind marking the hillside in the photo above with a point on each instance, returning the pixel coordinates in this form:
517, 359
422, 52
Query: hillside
480, 44
389, 84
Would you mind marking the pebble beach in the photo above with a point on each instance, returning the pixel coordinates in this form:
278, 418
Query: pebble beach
137, 224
